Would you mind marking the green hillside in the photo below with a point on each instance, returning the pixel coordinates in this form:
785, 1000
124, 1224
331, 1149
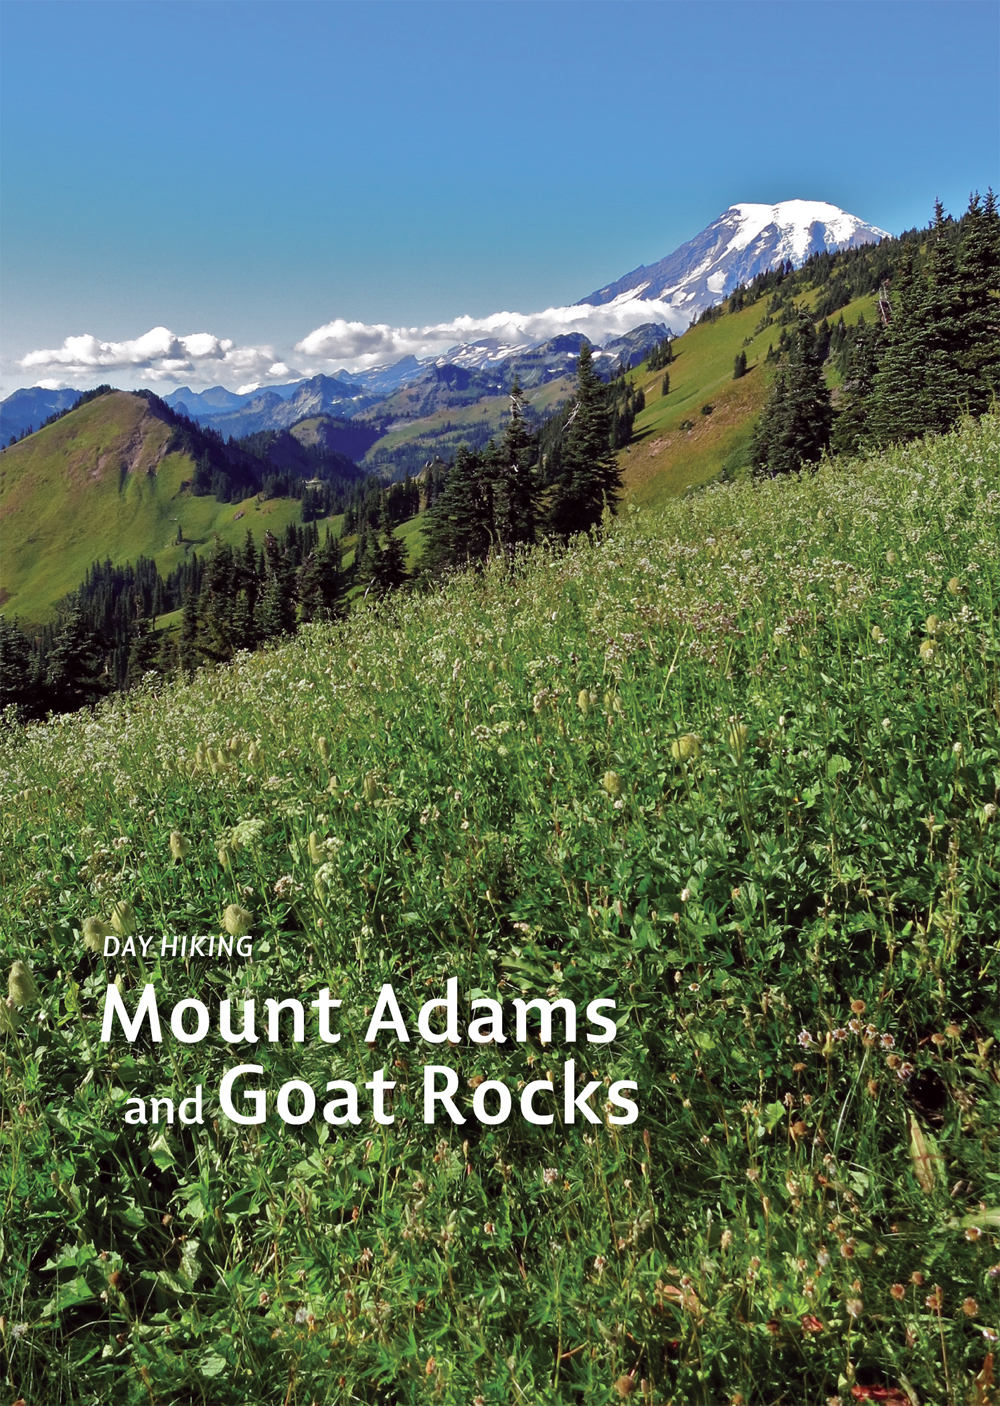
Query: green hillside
664, 459
101, 483
732, 767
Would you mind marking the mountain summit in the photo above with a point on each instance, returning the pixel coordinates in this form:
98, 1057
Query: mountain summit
744, 241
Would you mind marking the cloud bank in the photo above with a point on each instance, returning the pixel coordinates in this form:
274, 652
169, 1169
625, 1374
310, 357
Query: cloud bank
359, 345
160, 356
200, 359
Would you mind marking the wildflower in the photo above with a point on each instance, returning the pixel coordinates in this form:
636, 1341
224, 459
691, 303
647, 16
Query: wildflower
805, 1039
854, 1307
685, 895
957, 749
935, 1301
686, 748
932, 624
489, 1228
236, 920
612, 783
95, 930
927, 651
625, 1386
21, 986
877, 634
840, 1033
973, 1232
179, 846
887, 1042
898, 1291
123, 919
600, 1264
969, 1307
858, 1007
904, 1072
550, 1176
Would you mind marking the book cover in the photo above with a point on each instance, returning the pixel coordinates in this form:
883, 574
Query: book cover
500, 811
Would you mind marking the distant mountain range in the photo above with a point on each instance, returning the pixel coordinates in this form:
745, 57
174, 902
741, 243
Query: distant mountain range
745, 240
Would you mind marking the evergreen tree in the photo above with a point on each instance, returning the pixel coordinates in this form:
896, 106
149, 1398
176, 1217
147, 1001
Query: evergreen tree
75, 663
17, 674
460, 526
858, 359
515, 487
665, 385
275, 614
384, 567
794, 427
739, 365
979, 270
320, 582
589, 477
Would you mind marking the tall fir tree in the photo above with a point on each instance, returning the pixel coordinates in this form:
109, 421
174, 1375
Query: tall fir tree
794, 427
460, 525
979, 274
589, 478
515, 486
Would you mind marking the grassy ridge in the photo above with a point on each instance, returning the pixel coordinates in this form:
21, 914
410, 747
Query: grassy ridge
99, 484
664, 460
736, 767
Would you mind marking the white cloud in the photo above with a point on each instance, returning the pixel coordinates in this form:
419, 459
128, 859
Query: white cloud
357, 345
159, 355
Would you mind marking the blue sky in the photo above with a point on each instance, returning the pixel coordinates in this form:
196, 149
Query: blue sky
255, 170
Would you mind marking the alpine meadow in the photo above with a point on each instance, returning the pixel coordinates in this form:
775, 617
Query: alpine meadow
501, 848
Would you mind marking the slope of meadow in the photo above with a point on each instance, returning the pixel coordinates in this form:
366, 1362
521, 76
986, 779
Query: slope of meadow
735, 767
103, 484
665, 459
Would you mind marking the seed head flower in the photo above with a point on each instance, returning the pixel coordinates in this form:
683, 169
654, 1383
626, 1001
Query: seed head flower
236, 920
123, 919
932, 624
877, 634
21, 985
370, 787
855, 1307
612, 783
954, 586
8, 1017
686, 748
179, 846
95, 930
316, 853
927, 651
898, 1291
892, 557
969, 1307
583, 701
738, 735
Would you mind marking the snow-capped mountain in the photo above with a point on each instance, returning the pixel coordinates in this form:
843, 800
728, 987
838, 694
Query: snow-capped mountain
745, 240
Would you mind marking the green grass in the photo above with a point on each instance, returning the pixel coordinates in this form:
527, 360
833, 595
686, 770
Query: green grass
664, 461
96, 485
721, 767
